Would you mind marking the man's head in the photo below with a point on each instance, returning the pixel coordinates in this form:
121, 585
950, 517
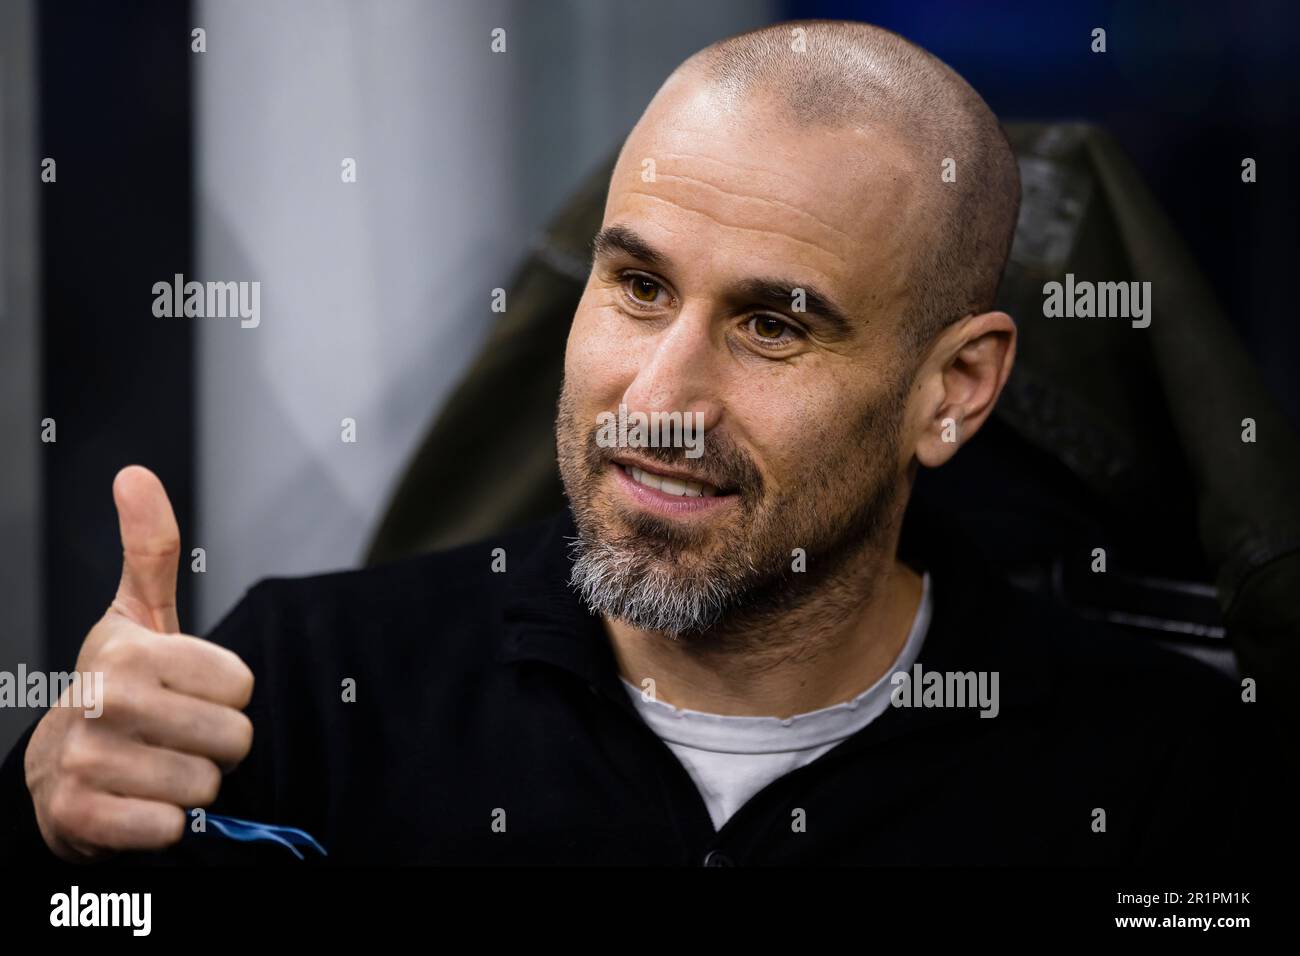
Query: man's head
802, 242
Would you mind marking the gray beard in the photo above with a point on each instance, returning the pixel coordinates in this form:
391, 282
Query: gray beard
619, 579
618, 584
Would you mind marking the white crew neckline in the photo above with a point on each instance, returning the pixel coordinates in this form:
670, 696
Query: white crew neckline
759, 735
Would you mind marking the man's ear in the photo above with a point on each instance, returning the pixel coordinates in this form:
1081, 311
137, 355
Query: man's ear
959, 383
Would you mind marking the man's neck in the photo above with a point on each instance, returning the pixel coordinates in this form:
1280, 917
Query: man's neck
825, 651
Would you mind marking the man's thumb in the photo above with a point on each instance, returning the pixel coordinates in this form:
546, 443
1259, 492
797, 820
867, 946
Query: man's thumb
151, 548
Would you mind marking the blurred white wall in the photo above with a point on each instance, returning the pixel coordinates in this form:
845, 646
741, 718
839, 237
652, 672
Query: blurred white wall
20, 392
375, 294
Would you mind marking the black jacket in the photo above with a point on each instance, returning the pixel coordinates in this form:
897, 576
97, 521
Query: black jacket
484, 696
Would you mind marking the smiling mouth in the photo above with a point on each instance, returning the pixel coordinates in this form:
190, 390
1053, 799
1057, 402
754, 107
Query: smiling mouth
676, 485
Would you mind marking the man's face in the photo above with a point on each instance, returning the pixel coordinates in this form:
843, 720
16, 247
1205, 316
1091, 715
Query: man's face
805, 442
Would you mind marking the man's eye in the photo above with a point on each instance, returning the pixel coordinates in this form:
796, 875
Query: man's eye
642, 289
770, 330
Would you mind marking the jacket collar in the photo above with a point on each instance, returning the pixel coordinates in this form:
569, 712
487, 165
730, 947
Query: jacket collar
978, 622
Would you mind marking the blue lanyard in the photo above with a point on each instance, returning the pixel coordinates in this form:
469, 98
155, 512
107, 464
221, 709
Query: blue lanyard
249, 831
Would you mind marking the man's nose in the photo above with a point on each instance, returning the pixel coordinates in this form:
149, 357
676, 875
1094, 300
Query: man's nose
680, 370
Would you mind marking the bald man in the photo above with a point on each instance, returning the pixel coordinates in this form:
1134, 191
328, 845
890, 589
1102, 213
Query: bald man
739, 645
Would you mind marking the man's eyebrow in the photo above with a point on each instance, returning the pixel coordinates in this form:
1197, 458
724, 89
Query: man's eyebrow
612, 240
779, 294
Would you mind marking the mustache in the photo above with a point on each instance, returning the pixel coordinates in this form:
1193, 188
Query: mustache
722, 464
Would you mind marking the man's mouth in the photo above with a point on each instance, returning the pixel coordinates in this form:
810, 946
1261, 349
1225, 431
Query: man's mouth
664, 484
682, 487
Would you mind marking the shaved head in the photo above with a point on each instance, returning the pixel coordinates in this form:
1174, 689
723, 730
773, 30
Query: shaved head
837, 73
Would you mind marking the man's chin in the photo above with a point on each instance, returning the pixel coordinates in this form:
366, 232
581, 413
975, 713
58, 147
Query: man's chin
636, 581
688, 544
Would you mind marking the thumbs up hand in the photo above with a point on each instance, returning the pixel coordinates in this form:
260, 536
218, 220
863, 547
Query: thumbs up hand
171, 718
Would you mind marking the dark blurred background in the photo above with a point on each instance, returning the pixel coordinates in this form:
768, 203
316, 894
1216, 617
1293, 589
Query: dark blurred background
375, 295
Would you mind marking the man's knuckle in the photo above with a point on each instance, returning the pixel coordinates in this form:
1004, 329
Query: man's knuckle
122, 652
79, 757
243, 689
171, 824
208, 782
126, 706
66, 809
243, 734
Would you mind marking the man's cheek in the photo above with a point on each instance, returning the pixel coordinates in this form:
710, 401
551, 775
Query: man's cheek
781, 430
788, 440
595, 348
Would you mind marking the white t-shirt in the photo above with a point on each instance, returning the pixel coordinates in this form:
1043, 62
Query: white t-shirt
732, 758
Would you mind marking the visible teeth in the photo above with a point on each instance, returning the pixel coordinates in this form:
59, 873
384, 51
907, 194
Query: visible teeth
671, 486
645, 478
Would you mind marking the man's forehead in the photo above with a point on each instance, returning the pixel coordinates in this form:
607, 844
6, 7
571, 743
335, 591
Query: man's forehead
831, 174
752, 179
